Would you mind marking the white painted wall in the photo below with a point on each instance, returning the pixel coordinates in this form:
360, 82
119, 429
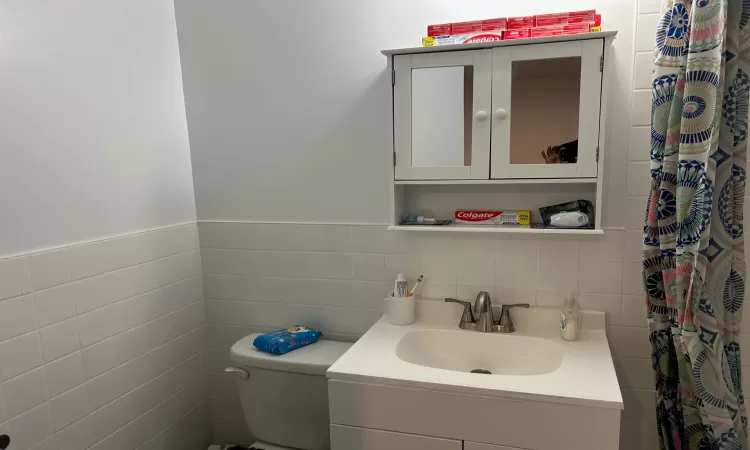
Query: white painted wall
287, 103
93, 136
101, 344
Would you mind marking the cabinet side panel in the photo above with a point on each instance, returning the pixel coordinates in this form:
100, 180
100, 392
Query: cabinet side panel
402, 115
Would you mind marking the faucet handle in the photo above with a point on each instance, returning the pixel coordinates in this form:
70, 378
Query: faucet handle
505, 324
514, 305
460, 302
467, 317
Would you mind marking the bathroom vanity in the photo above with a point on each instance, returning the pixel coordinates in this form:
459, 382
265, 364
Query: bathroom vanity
411, 387
514, 124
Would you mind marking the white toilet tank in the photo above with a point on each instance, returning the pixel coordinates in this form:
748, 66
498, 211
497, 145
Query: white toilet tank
285, 398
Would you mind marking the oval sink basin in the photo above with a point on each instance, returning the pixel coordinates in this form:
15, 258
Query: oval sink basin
466, 351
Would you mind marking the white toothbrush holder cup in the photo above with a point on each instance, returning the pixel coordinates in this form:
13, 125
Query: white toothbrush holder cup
401, 310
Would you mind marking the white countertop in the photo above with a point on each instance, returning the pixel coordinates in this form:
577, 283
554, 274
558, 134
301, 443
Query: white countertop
586, 376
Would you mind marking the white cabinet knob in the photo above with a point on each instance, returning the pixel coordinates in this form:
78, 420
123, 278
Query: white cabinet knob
500, 114
481, 115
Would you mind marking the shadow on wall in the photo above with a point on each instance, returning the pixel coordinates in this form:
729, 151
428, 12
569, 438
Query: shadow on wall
342, 143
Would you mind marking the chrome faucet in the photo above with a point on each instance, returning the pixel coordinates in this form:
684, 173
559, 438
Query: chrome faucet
467, 321
483, 310
482, 317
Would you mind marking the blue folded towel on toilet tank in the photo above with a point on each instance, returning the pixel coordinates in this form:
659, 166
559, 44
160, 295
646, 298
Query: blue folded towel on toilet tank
284, 341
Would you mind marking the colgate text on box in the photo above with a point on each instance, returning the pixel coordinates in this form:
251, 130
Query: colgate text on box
472, 38
474, 217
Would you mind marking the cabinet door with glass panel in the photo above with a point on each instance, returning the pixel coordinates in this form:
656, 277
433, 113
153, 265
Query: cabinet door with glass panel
546, 104
441, 115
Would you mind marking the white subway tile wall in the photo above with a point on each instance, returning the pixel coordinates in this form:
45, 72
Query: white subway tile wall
251, 287
102, 345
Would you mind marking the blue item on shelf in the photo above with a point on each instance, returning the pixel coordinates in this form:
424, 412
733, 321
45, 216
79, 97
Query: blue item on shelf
283, 341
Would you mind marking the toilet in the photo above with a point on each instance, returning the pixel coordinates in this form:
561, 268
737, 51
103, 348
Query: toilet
285, 397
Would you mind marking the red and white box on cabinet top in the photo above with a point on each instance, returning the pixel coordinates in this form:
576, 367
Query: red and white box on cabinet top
464, 28
510, 35
588, 16
471, 38
519, 23
458, 28
577, 28
499, 24
551, 20
546, 31
565, 18
443, 29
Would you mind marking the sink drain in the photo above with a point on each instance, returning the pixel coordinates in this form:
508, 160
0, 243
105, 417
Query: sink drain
482, 371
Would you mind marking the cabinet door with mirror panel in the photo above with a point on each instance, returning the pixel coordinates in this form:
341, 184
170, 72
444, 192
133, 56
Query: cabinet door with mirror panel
442, 105
546, 106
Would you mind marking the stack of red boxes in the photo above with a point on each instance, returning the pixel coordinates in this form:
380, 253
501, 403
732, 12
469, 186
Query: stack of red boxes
524, 27
520, 27
465, 32
565, 23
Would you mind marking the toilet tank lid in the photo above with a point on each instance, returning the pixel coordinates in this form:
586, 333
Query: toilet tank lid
313, 359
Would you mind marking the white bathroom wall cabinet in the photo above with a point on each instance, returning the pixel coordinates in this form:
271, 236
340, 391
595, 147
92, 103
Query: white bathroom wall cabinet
506, 113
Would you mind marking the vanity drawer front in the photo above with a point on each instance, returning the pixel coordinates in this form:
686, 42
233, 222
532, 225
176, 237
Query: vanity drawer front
476, 446
353, 438
456, 416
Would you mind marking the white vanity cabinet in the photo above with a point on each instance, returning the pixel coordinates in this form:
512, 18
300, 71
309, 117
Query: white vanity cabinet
476, 446
490, 113
355, 438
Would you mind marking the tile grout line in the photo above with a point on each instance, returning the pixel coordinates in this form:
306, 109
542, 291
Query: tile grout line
94, 241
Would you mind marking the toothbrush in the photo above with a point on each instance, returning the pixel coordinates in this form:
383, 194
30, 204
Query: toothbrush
416, 285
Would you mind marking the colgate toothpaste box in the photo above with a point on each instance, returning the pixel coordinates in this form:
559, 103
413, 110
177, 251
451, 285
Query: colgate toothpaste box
548, 20
495, 24
471, 38
588, 16
517, 23
443, 29
509, 35
546, 31
576, 28
473, 217
466, 27
597, 25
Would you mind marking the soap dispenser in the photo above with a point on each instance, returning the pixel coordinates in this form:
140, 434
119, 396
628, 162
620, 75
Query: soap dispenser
569, 318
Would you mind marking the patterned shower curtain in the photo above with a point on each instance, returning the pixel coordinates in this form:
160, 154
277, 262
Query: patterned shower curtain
693, 258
